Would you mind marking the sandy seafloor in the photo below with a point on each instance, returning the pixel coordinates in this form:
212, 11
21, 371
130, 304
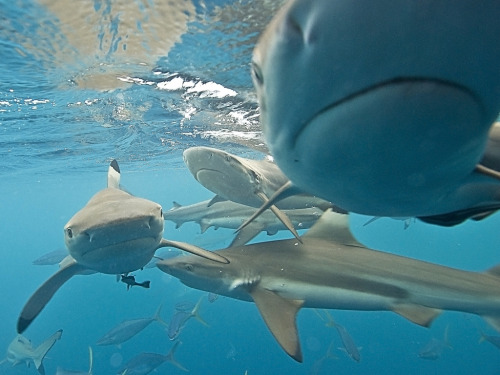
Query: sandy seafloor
58, 131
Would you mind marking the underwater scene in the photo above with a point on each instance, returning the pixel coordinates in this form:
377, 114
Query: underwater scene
101, 100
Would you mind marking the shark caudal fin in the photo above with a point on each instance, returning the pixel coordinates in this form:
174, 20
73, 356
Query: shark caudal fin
42, 349
44, 293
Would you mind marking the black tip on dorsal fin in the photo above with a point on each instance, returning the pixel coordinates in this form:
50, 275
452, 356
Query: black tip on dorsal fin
114, 165
114, 175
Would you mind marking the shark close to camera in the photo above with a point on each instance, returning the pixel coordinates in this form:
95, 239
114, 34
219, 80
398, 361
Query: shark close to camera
331, 270
388, 113
115, 233
20, 350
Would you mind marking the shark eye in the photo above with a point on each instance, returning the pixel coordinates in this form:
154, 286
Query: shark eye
69, 233
188, 267
257, 74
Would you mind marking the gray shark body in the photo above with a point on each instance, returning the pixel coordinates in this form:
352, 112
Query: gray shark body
383, 113
115, 233
331, 270
245, 181
228, 214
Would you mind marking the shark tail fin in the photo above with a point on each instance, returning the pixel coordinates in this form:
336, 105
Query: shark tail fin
171, 358
196, 313
42, 349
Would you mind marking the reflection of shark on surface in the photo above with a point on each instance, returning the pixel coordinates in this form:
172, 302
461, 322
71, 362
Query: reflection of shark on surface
115, 233
21, 350
245, 181
331, 270
228, 214
361, 111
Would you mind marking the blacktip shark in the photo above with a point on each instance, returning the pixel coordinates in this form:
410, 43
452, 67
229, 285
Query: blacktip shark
245, 181
330, 269
383, 113
21, 350
229, 214
115, 233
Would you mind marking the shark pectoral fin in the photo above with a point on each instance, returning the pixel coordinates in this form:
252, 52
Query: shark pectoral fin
281, 216
246, 234
283, 192
41, 350
194, 250
216, 199
44, 293
280, 317
418, 314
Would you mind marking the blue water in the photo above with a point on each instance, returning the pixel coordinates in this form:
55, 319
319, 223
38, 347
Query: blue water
80, 86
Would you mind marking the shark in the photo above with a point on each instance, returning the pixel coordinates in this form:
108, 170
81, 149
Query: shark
330, 269
21, 350
114, 233
228, 214
387, 113
245, 181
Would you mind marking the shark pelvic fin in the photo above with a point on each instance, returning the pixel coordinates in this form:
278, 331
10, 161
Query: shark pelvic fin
280, 317
418, 314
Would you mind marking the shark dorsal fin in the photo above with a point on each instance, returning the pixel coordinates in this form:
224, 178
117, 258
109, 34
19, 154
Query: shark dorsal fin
280, 316
114, 175
333, 226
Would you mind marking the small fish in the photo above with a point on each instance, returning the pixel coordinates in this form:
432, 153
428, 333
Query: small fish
434, 348
495, 340
21, 350
349, 346
130, 281
180, 318
144, 363
128, 329
61, 371
316, 367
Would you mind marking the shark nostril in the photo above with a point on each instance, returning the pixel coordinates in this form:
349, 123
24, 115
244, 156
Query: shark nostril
69, 232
